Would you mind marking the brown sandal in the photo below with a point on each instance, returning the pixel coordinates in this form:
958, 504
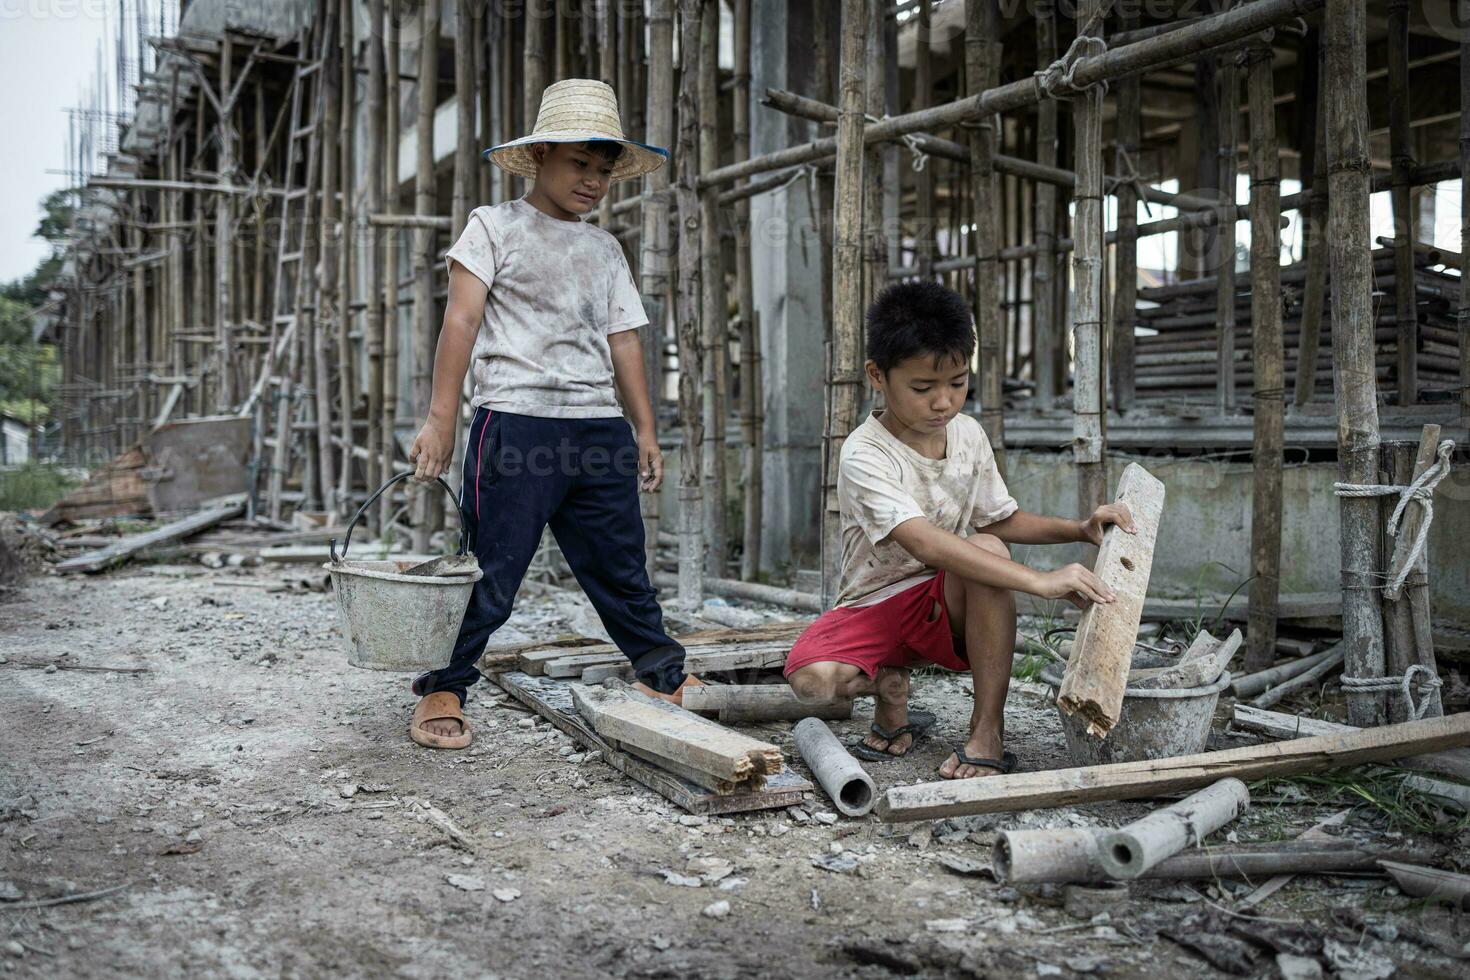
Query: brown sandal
439, 706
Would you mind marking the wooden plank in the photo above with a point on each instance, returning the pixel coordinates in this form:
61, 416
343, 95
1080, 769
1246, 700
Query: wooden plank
96, 561
1133, 780
1203, 663
627, 718
573, 666
115, 489
760, 702
711, 649
1276, 724
757, 657
622, 670
552, 700
1097, 671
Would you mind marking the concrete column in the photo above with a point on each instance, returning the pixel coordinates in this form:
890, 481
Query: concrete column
786, 277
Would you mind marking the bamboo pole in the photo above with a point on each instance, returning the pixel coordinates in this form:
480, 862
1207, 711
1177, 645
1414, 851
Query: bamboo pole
1267, 354
982, 72
425, 329
392, 322
752, 411
347, 260
487, 26
1355, 390
1409, 634
843, 367
224, 251
1401, 153
1087, 261
377, 467
825, 13
653, 266
461, 200
1314, 166
691, 491
875, 254
329, 306
1463, 314
535, 59
1128, 137
1046, 338
714, 305
1227, 166
925, 242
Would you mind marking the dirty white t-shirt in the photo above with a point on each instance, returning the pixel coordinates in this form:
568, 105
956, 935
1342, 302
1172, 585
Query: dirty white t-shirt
557, 289
881, 482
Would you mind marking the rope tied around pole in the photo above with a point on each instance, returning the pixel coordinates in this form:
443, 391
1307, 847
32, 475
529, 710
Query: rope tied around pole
911, 140
1058, 79
1422, 490
1403, 684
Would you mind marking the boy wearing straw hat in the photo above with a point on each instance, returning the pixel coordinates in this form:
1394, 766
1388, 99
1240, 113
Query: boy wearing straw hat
543, 309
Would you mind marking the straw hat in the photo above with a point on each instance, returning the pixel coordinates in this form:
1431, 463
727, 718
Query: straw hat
573, 111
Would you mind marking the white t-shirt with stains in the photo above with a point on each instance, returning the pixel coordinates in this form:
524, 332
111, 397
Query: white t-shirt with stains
881, 482
557, 289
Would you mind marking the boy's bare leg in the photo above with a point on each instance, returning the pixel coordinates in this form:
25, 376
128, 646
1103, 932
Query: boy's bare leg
828, 680
987, 620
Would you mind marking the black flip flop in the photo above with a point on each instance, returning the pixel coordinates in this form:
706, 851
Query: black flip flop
919, 722
1005, 765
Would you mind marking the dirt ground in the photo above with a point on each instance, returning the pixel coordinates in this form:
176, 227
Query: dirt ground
258, 808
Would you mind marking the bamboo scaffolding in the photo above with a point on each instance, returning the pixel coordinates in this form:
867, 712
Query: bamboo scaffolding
1268, 391
714, 304
653, 266
1355, 391
427, 505
752, 409
691, 491
844, 376
1088, 440
982, 71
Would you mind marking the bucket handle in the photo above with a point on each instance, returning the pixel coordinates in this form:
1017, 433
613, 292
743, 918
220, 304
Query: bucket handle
464, 520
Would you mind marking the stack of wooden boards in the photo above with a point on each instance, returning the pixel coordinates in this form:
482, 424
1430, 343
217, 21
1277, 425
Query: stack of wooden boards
709, 651
701, 751
690, 761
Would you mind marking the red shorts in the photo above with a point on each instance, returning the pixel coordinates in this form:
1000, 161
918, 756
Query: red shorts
896, 632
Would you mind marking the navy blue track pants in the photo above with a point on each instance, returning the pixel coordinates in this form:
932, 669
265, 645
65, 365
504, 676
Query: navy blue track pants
522, 473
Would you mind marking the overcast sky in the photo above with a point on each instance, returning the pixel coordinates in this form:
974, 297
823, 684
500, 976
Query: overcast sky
50, 50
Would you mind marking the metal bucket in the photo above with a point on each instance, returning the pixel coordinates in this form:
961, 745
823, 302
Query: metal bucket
1152, 724
394, 621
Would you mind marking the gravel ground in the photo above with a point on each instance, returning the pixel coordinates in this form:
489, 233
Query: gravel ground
261, 812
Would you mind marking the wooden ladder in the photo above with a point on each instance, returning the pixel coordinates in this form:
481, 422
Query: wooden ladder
295, 279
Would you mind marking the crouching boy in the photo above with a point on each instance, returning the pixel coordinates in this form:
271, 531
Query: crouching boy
926, 519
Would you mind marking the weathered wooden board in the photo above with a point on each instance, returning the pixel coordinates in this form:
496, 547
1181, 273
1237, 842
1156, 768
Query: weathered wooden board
744, 656
1202, 664
630, 719
1133, 780
124, 548
552, 700
574, 665
1277, 724
115, 489
760, 702
1097, 671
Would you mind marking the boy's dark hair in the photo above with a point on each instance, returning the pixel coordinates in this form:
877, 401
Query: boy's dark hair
609, 150
913, 318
